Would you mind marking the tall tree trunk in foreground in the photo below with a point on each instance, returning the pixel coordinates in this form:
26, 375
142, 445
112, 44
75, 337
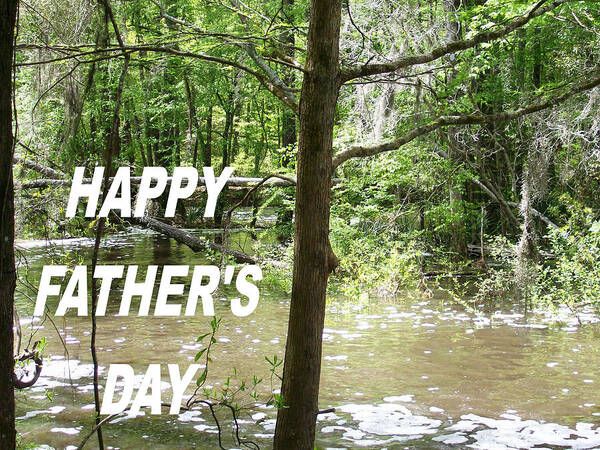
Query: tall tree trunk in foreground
313, 258
8, 13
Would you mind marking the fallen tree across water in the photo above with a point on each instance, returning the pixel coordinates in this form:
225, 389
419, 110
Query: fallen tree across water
196, 243
241, 182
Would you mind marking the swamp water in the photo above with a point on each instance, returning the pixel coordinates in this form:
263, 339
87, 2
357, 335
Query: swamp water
401, 373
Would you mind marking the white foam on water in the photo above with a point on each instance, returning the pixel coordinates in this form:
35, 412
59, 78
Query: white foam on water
336, 358
399, 398
53, 410
69, 431
389, 419
72, 370
190, 416
451, 439
513, 433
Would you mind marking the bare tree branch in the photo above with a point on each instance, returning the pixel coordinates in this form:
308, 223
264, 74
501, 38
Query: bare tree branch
450, 47
256, 187
277, 89
277, 86
360, 151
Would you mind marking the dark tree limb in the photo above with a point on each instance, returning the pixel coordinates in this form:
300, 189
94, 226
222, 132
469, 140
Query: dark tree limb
27, 356
270, 73
272, 85
250, 49
113, 148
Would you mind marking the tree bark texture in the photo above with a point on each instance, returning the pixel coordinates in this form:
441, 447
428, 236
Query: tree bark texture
313, 258
8, 13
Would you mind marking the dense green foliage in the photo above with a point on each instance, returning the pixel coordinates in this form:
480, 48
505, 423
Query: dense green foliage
191, 97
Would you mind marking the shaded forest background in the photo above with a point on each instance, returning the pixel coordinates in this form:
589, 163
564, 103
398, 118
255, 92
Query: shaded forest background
462, 137
191, 97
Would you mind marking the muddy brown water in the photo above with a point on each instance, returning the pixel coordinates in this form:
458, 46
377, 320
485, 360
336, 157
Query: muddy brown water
400, 373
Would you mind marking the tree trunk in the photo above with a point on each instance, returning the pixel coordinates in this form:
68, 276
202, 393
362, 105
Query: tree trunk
8, 12
537, 59
313, 258
520, 58
227, 135
458, 240
150, 131
192, 142
207, 147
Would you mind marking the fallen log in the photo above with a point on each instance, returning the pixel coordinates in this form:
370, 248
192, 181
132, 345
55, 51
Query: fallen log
42, 183
44, 170
246, 182
233, 182
442, 274
194, 242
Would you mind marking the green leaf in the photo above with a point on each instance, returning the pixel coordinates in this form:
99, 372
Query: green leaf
202, 378
199, 354
202, 337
